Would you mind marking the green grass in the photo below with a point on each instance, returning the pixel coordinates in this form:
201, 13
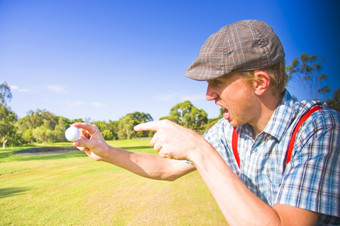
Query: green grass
72, 189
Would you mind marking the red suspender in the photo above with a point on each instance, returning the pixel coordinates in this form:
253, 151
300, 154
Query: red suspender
234, 141
296, 129
234, 146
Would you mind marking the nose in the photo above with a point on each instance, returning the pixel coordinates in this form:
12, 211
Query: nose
210, 94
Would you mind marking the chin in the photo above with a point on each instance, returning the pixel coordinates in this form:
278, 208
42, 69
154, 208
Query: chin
232, 123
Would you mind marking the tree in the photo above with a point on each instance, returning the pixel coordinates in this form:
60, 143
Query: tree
126, 125
101, 125
104, 129
335, 101
142, 117
187, 115
28, 136
42, 126
59, 129
43, 135
128, 122
308, 70
5, 93
34, 119
7, 127
107, 134
113, 126
212, 122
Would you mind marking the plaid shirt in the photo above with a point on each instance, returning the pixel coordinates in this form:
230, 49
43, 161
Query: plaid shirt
312, 178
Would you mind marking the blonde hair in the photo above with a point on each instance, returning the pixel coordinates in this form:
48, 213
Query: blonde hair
277, 74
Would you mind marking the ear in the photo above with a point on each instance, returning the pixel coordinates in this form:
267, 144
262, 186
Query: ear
262, 82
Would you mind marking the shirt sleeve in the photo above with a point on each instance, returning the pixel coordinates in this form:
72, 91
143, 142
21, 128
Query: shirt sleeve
312, 179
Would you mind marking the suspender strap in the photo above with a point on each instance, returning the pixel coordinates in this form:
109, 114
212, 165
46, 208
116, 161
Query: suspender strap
234, 141
234, 146
296, 129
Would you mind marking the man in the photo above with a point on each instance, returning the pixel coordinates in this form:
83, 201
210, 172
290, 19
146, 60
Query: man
243, 158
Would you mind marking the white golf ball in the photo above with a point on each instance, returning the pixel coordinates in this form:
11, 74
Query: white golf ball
72, 133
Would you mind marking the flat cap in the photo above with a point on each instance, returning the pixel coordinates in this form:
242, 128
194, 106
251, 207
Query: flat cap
241, 46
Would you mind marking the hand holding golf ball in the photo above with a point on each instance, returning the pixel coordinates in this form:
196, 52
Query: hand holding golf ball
72, 133
92, 142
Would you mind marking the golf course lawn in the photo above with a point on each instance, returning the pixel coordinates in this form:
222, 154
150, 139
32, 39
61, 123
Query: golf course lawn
72, 189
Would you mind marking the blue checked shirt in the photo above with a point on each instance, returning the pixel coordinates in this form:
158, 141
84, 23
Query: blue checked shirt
312, 178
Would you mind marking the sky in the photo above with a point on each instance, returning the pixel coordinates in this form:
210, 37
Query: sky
100, 60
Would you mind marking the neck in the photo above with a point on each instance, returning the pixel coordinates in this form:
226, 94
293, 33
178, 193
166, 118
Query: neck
267, 105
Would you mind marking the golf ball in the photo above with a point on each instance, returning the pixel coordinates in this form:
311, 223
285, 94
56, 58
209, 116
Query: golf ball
72, 133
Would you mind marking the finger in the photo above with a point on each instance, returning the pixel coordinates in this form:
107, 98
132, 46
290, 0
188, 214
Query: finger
163, 153
148, 126
85, 134
82, 149
87, 151
85, 126
82, 143
157, 146
154, 139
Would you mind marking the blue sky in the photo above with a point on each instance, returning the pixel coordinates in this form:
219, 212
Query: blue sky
104, 59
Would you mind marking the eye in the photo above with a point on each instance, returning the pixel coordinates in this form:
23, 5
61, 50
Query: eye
215, 83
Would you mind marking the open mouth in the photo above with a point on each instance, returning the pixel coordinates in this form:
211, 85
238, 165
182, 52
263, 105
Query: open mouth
226, 114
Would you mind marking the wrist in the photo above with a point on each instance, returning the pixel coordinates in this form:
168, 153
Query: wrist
201, 152
105, 152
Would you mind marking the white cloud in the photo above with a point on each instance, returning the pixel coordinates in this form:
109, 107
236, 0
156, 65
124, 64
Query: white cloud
98, 104
14, 87
193, 97
22, 90
56, 88
79, 102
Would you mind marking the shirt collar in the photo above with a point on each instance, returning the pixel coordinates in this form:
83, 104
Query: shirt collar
280, 120
288, 110
282, 117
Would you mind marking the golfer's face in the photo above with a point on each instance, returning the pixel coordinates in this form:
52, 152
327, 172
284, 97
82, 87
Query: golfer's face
235, 95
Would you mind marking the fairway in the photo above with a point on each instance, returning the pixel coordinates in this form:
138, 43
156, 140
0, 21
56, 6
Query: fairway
72, 189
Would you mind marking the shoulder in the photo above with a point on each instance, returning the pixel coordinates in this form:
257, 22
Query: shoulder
323, 119
315, 158
319, 135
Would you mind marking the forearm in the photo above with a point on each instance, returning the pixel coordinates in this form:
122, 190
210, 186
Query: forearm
147, 165
237, 203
